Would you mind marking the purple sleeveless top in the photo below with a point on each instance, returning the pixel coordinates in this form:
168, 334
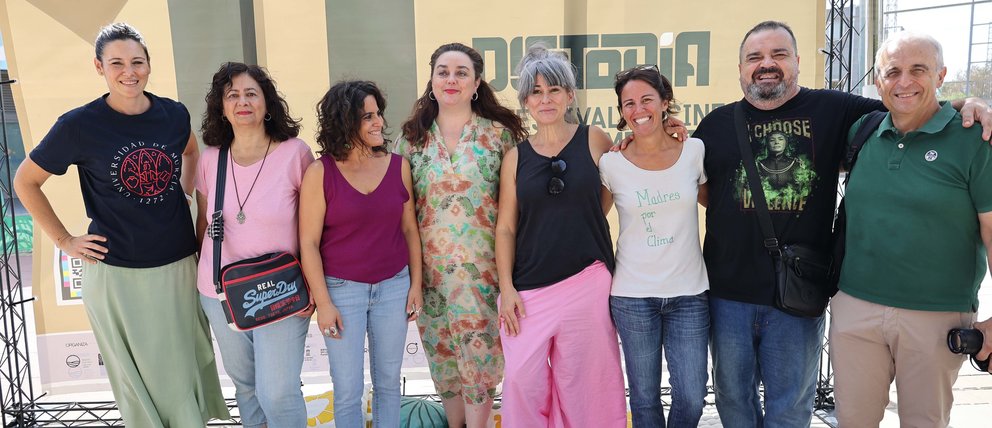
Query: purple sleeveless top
363, 237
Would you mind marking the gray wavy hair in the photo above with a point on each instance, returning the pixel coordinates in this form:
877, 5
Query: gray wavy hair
555, 68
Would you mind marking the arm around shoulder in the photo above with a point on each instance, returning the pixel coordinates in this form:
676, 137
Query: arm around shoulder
973, 110
599, 143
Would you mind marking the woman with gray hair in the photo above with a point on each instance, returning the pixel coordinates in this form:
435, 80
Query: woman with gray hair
554, 257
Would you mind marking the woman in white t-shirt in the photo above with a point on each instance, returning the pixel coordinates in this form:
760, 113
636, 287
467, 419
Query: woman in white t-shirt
658, 300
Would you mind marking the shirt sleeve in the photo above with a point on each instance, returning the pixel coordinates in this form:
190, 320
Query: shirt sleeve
700, 156
605, 166
305, 158
506, 140
980, 179
200, 179
853, 130
858, 106
402, 147
59, 148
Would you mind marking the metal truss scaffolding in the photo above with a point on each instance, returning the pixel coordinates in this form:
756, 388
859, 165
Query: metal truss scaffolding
16, 391
839, 74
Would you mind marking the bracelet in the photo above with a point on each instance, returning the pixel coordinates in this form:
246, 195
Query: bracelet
189, 198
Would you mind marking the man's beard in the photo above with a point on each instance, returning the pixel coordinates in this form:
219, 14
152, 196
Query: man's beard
769, 93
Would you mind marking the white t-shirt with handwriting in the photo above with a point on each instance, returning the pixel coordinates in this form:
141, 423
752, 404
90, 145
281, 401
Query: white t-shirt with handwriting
658, 251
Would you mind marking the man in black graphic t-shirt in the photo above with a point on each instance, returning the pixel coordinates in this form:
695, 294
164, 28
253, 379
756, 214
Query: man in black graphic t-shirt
752, 341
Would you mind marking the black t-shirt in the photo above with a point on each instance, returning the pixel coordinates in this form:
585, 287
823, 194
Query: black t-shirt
559, 235
798, 148
129, 168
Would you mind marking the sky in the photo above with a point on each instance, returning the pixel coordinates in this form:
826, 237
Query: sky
951, 27
3, 55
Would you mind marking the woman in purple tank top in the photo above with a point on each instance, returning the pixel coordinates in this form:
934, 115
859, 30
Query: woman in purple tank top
358, 234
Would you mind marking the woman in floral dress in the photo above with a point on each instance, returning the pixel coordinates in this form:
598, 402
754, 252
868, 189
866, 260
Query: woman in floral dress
455, 140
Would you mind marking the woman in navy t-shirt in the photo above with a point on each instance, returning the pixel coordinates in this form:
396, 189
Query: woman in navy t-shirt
135, 155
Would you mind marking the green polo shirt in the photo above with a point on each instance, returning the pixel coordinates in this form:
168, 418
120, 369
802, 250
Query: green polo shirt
913, 237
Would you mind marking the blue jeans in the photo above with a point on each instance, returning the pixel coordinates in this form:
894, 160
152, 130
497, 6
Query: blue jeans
265, 365
757, 343
679, 325
378, 310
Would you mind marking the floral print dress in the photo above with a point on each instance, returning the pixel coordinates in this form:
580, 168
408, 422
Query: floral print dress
456, 195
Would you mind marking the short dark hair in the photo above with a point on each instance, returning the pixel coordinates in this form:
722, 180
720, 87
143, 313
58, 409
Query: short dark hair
217, 130
339, 117
769, 25
652, 76
118, 31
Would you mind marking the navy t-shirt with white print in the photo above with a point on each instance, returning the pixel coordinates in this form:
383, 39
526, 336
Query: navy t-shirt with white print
129, 168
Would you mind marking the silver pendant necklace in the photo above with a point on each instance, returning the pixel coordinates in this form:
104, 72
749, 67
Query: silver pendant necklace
241, 205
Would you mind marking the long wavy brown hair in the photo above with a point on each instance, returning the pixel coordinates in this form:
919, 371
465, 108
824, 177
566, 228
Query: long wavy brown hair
425, 110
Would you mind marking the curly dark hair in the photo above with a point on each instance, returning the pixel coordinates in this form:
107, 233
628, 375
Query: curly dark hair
339, 118
217, 131
648, 74
425, 110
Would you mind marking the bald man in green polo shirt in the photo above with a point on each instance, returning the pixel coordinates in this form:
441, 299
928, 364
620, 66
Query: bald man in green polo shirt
919, 209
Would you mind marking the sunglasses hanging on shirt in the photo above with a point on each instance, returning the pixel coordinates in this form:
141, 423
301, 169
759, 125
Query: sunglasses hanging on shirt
557, 185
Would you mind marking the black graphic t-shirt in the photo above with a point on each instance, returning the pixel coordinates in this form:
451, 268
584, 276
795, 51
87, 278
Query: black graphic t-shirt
129, 168
797, 148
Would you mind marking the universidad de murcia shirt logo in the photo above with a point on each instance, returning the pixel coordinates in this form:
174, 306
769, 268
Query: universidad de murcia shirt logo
145, 171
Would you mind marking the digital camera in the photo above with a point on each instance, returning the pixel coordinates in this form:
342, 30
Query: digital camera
968, 341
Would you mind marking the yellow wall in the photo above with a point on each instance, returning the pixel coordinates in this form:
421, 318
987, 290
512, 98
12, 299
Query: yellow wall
295, 55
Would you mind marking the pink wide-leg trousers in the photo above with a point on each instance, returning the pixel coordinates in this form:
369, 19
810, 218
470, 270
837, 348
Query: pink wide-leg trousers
563, 368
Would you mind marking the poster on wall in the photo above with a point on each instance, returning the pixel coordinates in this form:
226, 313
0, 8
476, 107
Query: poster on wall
68, 279
71, 362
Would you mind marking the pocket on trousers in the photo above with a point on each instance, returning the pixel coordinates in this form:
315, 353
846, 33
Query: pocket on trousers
333, 282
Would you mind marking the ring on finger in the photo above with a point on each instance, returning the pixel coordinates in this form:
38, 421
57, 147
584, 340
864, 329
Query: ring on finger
333, 331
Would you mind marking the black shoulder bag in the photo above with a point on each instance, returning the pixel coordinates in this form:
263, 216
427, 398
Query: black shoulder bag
257, 291
802, 273
839, 238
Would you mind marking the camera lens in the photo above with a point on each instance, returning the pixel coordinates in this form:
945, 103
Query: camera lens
965, 341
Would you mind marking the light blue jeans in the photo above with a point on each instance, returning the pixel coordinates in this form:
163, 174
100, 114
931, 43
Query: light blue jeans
679, 325
379, 311
265, 365
757, 343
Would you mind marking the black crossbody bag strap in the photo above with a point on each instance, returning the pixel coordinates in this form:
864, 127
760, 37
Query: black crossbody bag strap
839, 238
757, 193
868, 126
218, 232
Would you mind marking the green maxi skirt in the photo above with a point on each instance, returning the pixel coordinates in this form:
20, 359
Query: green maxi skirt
155, 343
